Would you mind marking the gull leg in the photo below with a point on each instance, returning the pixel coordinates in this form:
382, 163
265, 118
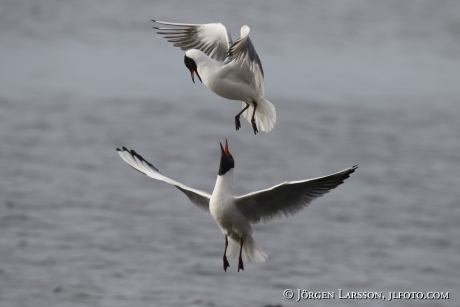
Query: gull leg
226, 264
253, 121
237, 117
240, 259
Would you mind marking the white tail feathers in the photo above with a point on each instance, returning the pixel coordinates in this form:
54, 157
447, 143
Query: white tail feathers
251, 252
265, 114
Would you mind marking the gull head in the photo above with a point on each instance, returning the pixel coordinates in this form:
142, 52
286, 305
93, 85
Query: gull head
191, 65
226, 160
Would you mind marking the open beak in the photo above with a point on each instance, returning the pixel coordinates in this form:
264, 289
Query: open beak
191, 65
225, 151
193, 75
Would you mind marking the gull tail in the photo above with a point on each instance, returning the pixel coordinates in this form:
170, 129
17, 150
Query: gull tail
251, 252
265, 114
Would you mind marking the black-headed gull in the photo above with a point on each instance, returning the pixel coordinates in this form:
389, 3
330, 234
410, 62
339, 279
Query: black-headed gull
234, 214
230, 69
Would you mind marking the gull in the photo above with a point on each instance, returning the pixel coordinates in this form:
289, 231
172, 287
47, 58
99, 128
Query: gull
235, 214
230, 69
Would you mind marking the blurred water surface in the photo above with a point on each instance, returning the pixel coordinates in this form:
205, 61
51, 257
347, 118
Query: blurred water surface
354, 82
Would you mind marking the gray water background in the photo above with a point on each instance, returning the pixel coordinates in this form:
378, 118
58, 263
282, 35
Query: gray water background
354, 82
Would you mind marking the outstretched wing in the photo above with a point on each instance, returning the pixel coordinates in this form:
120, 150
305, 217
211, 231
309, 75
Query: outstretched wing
212, 38
288, 198
197, 197
243, 54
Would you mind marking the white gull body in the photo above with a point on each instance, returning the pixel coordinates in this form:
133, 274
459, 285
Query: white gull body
232, 222
229, 69
235, 214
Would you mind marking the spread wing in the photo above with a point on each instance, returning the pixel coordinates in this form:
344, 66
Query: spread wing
288, 198
197, 197
243, 54
212, 38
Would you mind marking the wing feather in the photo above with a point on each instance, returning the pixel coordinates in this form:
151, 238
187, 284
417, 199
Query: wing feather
212, 38
288, 198
243, 54
197, 197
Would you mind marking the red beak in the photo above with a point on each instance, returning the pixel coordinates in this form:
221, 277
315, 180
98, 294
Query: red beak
225, 151
193, 76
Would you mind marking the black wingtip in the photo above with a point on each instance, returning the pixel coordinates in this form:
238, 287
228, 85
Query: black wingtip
122, 149
347, 173
139, 157
135, 154
351, 170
